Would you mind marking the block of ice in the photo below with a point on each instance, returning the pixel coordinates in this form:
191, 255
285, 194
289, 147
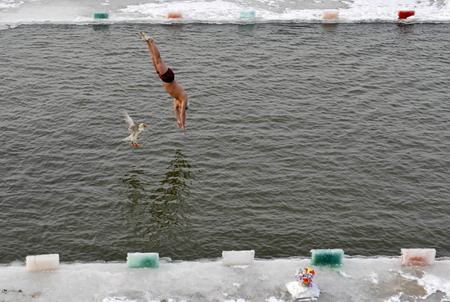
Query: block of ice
230, 258
418, 257
174, 16
143, 260
39, 263
248, 15
327, 257
101, 15
330, 15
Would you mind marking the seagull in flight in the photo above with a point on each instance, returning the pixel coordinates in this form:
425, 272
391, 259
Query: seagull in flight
134, 131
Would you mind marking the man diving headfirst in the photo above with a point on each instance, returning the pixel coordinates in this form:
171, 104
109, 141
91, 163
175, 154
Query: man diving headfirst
180, 98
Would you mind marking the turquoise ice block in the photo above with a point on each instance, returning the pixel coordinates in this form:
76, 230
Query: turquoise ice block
101, 15
328, 257
143, 260
249, 14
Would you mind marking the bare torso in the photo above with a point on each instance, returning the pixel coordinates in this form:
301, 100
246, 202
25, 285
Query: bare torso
176, 91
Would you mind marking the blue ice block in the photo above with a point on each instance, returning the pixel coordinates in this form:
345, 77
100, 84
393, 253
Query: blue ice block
328, 257
248, 15
101, 15
143, 260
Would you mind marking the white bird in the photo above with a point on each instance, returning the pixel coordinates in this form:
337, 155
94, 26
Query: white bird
134, 131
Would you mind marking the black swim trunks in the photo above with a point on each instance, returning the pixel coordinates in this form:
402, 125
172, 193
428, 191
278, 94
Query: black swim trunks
167, 77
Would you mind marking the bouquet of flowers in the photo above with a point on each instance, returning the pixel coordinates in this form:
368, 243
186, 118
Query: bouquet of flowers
304, 277
303, 287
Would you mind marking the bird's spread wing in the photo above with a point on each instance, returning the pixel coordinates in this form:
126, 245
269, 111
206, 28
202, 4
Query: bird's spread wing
128, 120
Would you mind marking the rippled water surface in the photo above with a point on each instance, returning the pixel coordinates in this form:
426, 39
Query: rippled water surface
299, 137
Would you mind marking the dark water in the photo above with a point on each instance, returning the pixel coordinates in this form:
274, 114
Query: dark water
299, 137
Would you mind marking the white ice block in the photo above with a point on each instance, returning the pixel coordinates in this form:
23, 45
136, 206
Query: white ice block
230, 258
418, 257
39, 263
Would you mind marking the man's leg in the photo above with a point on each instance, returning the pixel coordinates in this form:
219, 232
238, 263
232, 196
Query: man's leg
183, 117
157, 61
180, 114
176, 111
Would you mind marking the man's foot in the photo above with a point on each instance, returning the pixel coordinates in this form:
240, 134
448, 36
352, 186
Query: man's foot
144, 36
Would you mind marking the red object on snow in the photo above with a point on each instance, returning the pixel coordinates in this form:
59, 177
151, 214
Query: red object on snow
403, 14
174, 16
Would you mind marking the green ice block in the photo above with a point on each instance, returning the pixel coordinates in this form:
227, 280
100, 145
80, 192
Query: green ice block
328, 257
143, 260
101, 15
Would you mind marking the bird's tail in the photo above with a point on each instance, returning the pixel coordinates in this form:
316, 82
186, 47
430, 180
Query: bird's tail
128, 139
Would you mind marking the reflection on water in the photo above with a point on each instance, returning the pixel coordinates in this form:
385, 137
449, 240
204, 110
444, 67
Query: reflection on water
161, 214
100, 27
133, 182
405, 28
329, 25
247, 27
